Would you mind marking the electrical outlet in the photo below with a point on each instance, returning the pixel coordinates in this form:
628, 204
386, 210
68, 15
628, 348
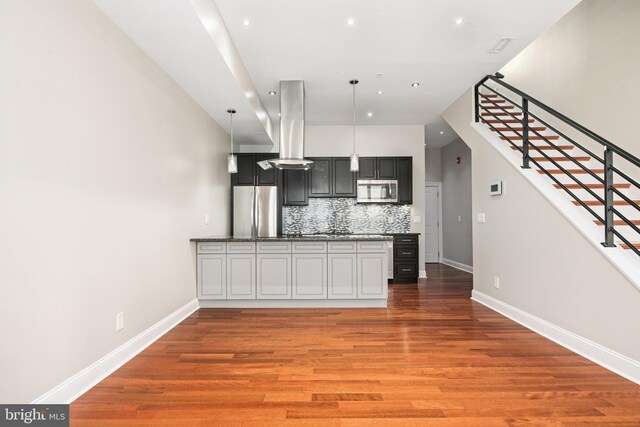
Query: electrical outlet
119, 321
390, 220
206, 219
417, 219
496, 282
481, 217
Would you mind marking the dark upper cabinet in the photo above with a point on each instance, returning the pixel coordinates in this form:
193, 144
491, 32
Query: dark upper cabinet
249, 173
344, 181
405, 180
246, 170
386, 168
265, 177
367, 168
295, 187
321, 177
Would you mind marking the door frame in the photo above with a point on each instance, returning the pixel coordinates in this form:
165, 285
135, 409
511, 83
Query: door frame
438, 185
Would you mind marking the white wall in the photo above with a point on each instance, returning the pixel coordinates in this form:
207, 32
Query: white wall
586, 67
107, 169
457, 242
376, 141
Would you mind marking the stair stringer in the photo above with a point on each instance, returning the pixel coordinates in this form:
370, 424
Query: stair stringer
625, 261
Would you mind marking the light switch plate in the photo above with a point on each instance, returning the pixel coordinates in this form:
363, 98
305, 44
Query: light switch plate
481, 217
417, 219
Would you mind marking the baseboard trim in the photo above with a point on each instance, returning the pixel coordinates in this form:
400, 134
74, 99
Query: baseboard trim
299, 303
423, 274
458, 265
72, 388
603, 356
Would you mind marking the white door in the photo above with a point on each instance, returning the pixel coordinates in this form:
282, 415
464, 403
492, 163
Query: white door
432, 224
241, 276
309, 276
274, 276
342, 273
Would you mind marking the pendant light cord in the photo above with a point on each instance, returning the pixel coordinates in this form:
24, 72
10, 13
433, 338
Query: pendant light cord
231, 121
354, 82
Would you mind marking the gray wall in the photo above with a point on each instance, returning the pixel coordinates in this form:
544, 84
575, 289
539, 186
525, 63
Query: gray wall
456, 203
107, 169
432, 169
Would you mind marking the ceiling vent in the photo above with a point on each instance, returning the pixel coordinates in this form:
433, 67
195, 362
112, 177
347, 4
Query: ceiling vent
502, 43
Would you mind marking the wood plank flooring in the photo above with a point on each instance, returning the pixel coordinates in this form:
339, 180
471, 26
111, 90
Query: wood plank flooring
433, 358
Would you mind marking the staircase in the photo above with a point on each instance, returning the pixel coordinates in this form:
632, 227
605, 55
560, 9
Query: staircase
593, 182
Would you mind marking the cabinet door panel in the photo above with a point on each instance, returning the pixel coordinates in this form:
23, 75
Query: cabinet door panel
342, 276
405, 180
320, 178
386, 167
212, 276
309, 276
367, 169
246, 170
372, 276
344, 181
241, 276
265, 177
296, 190
274, 276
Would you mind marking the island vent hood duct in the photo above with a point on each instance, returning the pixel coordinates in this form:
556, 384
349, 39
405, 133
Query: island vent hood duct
291, 127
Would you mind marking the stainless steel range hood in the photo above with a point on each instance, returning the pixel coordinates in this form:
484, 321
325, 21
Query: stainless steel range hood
291, 127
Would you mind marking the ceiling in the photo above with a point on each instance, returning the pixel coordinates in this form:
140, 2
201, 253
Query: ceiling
391, 44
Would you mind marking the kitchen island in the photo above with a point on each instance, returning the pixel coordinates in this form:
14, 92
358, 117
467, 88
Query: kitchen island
292, 271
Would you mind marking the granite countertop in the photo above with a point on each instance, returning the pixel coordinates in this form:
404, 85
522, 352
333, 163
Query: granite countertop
308, 237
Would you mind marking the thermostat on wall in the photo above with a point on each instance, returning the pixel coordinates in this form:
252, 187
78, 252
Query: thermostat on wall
495, 189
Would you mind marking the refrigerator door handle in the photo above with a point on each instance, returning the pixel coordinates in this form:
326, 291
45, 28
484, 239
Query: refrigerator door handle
254, 214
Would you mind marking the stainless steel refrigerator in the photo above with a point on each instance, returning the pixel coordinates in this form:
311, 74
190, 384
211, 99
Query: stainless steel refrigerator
255, 211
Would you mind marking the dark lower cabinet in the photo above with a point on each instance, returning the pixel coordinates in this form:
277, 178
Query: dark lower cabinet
405, 180
405, 258
367, 168
295, 187
344, 181
386, 168
321, 177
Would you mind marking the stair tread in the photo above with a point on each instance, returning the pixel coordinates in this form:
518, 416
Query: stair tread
532, 137
598, 203
576, 186
561, 159
618, 222
572, 171
545, 147
506, 107
517, 113
635, 245
502, 121
519, 129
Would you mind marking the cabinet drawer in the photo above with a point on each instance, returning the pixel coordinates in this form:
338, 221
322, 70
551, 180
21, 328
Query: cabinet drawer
403, 240
405, 269
372, 247
241, 247
405, 252
212, 247
310, 247
274, 247
342, 247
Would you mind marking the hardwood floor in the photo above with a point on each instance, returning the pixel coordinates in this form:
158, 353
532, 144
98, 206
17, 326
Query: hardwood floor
433, 358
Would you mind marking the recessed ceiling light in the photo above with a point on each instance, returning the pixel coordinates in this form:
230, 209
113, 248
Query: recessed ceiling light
415, 84
246, 22
441, 133
379, 75
459, 21
369, 114
379, 92
271, 93
351, 21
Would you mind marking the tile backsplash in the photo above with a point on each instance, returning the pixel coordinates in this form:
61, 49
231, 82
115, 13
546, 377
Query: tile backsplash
345, 216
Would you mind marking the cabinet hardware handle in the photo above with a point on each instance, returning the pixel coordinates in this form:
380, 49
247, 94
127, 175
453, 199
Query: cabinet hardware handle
406, 269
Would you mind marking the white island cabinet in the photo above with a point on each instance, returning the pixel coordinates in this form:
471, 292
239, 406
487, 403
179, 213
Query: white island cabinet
292, 272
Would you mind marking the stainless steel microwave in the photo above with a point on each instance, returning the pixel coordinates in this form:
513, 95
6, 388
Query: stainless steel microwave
377, 191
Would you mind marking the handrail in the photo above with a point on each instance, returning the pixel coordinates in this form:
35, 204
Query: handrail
604, 177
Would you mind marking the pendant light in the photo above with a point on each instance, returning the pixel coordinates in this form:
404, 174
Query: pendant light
232, 160
354, 163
